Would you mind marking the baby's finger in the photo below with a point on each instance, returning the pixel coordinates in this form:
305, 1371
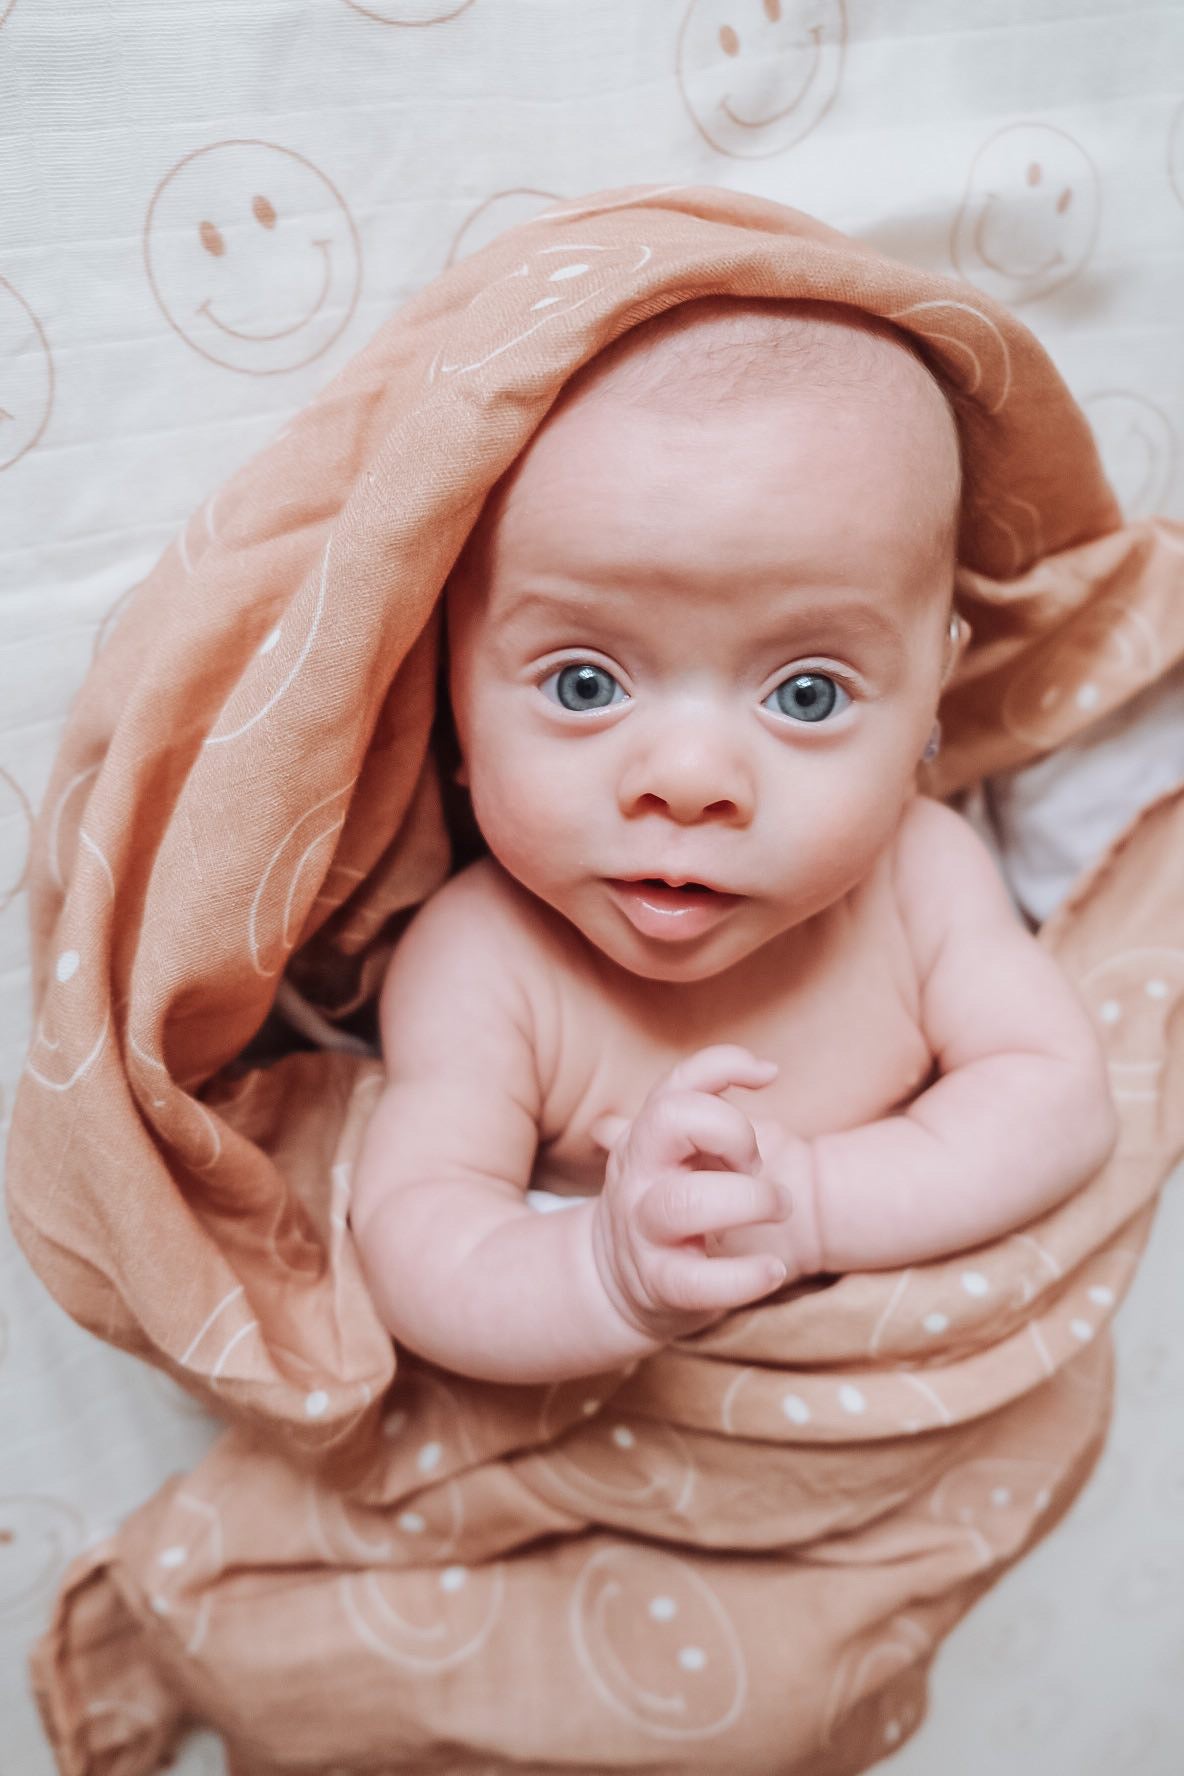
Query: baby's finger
714, 1069
689, 1283
679, 1125
686, 1205
607, 1130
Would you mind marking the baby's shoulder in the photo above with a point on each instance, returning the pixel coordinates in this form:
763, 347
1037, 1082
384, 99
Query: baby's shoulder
943, 875
480, 919
933, 842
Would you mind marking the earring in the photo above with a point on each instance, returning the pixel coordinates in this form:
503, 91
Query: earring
933, 744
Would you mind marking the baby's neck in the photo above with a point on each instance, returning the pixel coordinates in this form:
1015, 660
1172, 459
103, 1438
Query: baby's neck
692, 1011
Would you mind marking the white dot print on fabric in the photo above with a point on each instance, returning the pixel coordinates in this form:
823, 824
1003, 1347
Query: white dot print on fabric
428, 1458
316, 1404
253, 256
1029, 216
974, 1282
757, 76
66, 966
851, 1400
676, 1671
795, 1409
1103, 654
194, 1552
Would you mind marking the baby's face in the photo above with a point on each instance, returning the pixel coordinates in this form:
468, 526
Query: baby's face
706, 650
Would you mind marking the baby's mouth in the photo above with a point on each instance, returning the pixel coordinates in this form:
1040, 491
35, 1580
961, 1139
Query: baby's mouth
671, 911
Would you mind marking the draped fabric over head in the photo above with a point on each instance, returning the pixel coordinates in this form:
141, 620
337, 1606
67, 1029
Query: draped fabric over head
248, 784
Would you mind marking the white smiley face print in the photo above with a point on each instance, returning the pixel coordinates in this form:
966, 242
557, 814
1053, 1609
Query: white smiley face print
26, 377
1136, 1000
1137, 444
1104, 655
253, 256
75, 1018
548, 285
657, 1644
758, 75
1029, 217
618, 1463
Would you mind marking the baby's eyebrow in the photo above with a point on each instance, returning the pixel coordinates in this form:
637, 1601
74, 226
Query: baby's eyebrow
852, 614
532, 602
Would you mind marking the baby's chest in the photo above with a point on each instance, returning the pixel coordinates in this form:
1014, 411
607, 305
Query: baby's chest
845, 1032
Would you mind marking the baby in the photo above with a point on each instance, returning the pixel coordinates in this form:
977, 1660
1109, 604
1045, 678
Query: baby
726, 983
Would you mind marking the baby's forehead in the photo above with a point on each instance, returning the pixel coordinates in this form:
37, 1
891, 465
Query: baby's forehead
719, 354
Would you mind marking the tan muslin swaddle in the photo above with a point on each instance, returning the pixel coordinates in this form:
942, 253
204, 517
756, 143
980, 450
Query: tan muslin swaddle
742, 1555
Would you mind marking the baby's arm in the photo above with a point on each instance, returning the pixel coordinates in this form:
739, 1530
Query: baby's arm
1021, 1114
460, 1269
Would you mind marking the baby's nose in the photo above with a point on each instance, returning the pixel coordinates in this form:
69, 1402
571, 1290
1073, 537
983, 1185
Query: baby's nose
691, 771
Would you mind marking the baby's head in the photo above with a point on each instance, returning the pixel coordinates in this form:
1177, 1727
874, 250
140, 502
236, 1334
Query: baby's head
700, 631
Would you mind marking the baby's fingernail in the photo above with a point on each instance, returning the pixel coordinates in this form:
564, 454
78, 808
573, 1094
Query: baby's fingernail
777, 1273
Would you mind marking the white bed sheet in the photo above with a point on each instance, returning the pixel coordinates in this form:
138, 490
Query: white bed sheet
166, 173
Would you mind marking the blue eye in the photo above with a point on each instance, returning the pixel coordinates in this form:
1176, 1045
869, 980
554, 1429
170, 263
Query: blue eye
583, 686
808, 697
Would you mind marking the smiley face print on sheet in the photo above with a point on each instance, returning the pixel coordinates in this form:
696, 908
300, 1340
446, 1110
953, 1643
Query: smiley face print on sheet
410, 12
38, 1537
1029, 216
757, 75
656, 1643
1137, 442
16, 830
253, 256
505, 209
26, 377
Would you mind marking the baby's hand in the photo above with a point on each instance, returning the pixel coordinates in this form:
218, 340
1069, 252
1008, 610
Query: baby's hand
656, 1210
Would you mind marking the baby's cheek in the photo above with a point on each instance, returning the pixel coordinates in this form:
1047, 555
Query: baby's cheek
526, 817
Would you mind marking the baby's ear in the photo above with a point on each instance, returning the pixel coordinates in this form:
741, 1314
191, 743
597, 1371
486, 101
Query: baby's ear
958, 637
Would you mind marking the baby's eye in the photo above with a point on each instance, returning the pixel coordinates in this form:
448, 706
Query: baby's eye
808, 697
583, 686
